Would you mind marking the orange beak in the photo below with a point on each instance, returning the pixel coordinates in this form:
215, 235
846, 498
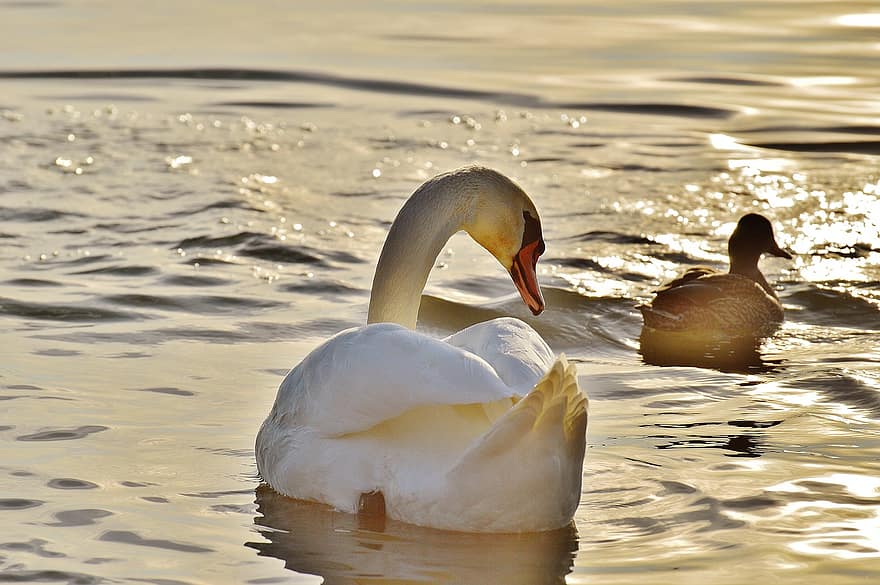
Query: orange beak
524, 275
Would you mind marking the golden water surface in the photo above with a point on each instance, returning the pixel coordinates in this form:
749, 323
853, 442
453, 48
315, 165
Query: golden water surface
193, 196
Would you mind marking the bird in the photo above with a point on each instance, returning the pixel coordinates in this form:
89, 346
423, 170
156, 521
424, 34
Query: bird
483, 431
738, 303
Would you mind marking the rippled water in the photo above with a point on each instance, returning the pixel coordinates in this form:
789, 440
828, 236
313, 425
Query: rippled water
192, 199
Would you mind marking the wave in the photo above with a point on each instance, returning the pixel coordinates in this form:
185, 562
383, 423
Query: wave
274, 105
237, 74
264, 247
831, 308
652, 108
330, 289
825, 146
35, 215
33, 282
382, 86
611, 237
62, 434
866, 129
723, 80
196, 304
856, 385
120, 270
196, 281
59, 312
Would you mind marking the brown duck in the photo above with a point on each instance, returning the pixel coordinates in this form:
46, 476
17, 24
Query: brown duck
739, 302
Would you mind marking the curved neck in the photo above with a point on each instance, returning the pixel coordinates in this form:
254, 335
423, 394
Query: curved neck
425, 223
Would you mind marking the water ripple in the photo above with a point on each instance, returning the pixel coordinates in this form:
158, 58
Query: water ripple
33, 282
72, 518
167, 390
196, 281
197, 304
52, 312
120, 270
230, 74
49, 576
128, 537
843, 146
723, 80
329, 289
69, 483
63, 434
19, 503
35, 546
213, 242
656, 109
34, 215
282, 253
820, 305
275, 105
610, 237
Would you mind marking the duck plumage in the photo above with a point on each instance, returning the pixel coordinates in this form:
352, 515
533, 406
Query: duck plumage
706, 300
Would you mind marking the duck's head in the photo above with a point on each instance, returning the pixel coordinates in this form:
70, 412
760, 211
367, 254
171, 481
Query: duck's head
505, 222
752, 237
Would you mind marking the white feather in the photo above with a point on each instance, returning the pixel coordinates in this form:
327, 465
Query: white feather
483, 431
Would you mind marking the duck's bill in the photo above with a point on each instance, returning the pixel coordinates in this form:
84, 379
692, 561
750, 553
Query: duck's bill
525, 278
777, 251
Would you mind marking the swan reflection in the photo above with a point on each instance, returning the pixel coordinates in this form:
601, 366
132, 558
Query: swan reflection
344, 549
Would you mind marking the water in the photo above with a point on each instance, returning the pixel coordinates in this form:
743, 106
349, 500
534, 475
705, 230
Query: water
192, 199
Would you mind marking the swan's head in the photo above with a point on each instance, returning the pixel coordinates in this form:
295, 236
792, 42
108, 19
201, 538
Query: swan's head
505, 222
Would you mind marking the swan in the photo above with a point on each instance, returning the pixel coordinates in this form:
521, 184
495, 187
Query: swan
739, 302
483, 431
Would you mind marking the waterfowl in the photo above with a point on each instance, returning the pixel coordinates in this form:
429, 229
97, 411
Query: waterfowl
739, 302
483, 431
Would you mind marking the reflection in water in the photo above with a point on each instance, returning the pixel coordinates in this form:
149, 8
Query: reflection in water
727, 354
220, 228
739, 445
315, 539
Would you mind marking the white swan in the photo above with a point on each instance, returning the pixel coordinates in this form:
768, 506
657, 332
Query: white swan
483, 431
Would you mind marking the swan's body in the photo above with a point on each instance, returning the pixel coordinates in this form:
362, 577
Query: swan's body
707, 301
482, 431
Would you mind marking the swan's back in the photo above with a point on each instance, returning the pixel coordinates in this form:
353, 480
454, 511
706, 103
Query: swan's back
445, 439
364, 376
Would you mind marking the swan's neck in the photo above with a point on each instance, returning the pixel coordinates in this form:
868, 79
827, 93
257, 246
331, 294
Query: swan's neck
425, 223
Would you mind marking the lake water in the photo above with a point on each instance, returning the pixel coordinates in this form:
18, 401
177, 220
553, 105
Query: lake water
194, 195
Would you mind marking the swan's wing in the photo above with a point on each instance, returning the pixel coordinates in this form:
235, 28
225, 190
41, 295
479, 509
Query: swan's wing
365, 376
517, 353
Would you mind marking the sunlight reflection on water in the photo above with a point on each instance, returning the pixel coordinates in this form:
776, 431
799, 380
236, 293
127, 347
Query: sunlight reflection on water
224, 222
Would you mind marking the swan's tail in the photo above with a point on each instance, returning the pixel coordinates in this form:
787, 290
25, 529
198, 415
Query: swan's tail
533, 455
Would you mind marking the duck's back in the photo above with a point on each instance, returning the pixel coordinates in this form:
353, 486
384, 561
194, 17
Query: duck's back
707, 301
690, 275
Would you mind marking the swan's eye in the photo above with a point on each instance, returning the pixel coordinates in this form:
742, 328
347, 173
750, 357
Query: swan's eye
532, 232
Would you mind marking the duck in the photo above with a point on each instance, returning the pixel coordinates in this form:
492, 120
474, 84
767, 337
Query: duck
737, 303
482, 431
